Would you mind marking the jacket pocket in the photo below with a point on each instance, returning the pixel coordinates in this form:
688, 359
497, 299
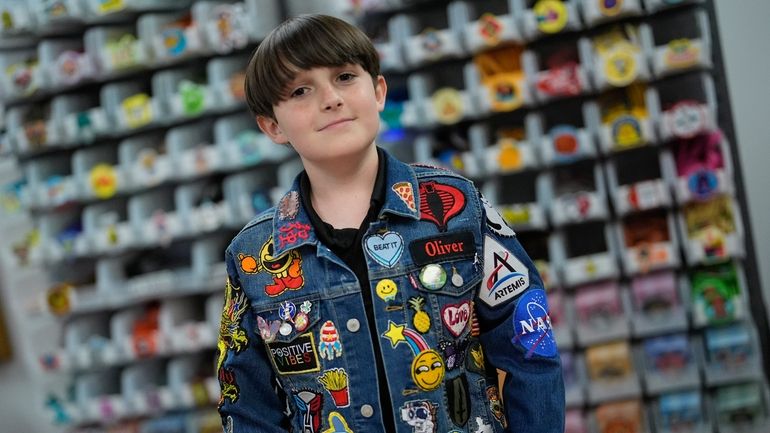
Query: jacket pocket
289, 330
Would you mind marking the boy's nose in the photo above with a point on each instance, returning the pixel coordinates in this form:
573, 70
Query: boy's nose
332, 100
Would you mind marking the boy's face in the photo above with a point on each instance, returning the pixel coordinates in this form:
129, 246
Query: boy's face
331, 112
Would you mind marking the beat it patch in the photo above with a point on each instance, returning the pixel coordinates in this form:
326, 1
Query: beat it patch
297, 356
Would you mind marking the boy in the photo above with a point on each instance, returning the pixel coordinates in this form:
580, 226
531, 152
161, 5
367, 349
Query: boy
376, 296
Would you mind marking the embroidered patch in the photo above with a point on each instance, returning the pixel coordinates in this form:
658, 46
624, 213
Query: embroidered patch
475, 328
386, 289
427, 366
293, 232
405, 192
420, 415
421, 319
458, 400
439, 203
309, 403
288, 206
443, 247
297, 356
532, 324
495, 222
496, 405
482, 426
337, 424
456, 317
285, 269
248, 264
232, 336
453, 352
385, 249
335, 382
504, 275
228, 386
268, 331
330, 345
490, 29
475, 358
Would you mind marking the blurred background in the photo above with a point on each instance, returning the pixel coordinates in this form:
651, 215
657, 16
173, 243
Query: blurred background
623, 140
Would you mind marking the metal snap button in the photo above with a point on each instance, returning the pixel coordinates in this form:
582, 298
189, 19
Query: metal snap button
367, 411
353, 325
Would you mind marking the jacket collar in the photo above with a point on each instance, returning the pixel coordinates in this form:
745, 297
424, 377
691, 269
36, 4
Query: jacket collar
291, 222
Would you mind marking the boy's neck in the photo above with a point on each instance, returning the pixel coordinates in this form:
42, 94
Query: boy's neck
341, 192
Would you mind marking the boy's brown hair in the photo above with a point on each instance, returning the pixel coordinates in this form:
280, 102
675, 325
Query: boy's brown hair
301, 43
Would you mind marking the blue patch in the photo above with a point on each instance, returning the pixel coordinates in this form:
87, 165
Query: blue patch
532, 324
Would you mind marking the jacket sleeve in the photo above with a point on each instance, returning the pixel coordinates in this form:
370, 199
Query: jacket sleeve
516, 335
251, 400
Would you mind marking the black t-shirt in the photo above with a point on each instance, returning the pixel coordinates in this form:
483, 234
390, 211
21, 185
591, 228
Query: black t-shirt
347, 245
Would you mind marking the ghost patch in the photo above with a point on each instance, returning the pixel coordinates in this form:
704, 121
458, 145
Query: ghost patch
495, 222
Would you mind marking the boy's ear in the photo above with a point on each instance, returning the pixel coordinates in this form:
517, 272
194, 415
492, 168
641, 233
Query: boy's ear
270, 127
380, 92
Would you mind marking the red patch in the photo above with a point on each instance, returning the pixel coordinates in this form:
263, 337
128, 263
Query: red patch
292, 232
439, 203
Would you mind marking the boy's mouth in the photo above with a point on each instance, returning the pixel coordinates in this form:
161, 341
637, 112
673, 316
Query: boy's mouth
336, 122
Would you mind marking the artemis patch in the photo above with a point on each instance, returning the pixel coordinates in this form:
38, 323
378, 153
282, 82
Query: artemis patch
297, 356
504, 275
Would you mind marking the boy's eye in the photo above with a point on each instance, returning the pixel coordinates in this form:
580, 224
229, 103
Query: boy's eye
346, 76
299, 92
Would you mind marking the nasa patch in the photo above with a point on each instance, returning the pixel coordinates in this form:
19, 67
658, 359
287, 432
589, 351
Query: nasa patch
495, 222
504, 275
532, 325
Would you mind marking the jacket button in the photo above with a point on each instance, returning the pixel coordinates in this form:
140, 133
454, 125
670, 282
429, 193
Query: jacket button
353, 325
367, 411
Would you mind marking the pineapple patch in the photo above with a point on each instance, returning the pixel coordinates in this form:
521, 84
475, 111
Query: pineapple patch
421, 319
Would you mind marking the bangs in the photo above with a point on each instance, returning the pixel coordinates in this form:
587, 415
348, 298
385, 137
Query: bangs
303, 43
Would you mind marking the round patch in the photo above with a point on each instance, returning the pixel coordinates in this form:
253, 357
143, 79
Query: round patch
104, 181
532, 324
620, 66
301, 321
433, 276
610, 8
386, 289
687, 118
490, 28
447, 105
551, 15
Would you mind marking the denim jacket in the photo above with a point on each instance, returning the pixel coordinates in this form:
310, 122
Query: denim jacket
455, 299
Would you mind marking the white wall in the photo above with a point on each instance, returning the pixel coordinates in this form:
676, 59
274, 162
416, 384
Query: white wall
745, 36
